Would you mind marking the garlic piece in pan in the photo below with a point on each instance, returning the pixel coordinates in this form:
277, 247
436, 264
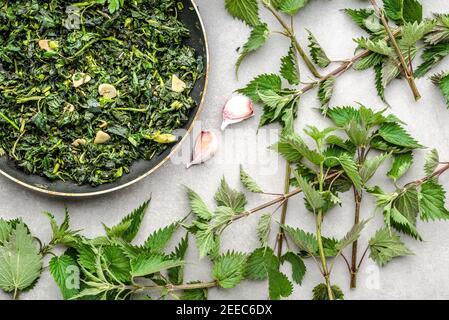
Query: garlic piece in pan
80, 78
177, 85
102, 137
79, 142
205, 148
107, 90
237, 109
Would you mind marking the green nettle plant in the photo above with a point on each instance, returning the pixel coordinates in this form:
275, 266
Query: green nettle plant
335, 165
109, 266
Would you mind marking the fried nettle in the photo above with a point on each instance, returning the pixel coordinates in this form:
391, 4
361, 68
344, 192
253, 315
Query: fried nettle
87, 89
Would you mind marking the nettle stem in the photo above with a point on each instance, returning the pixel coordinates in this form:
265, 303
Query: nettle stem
289, 32
358, 196
319, 222
279, 199
171, 287
281, 234
407, 71
345, 66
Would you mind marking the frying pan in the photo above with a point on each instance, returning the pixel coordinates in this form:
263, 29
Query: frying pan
140, 169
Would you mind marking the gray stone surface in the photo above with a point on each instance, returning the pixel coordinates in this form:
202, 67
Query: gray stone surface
423, 276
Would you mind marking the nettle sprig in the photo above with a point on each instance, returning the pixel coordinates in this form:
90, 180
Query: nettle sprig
110, 266
345, 156
394, 35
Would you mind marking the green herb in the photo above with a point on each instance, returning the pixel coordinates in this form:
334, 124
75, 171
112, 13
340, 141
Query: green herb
84, 94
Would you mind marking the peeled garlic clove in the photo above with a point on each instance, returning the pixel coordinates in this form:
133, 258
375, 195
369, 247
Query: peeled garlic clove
237, 109
102, 137
79, 142
165, 138
206, 147
177, 85
49, 46
107, 90
80, 78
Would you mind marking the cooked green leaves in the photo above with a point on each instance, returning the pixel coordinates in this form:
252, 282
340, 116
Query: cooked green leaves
98, 95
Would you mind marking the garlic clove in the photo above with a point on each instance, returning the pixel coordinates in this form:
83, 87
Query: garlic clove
177, 85
47, 45
205, 148
107, 90
237, 109
102, 137
80, 78
79, 142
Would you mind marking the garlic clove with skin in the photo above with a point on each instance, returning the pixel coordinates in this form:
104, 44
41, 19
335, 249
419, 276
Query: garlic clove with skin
205, 148
237, 109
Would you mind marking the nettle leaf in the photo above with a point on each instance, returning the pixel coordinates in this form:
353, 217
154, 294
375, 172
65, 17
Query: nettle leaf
5, 230
305, 241
316, 52
377, 46
403, 222
342, 116
245, 10
230, 198
289, 67
278, 285
432, 55
264, 228
442, 81
20, 260
325, 91
413, 32
261, 83
440, 32
259, 35
371, 165
129, 226
260, 261
370, 61
282, 108
229, 269
298, 267
313, 197
432, 162
158, 240
117, 263
287, 148
205, 241
147, 264
248, 182
351, 170
293, 149
395, 134
401, 11
386, 245
290, 7
352, 236
62, 269
365, 19
199, 208
401, 164
320, 292
432, 202
176, 275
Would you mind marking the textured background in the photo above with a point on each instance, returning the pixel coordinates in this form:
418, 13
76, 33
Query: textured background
423, 276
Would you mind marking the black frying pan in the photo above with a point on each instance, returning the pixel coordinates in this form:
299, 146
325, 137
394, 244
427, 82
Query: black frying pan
140, 169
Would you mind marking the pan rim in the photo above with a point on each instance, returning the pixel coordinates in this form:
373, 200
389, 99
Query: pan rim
156, 167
